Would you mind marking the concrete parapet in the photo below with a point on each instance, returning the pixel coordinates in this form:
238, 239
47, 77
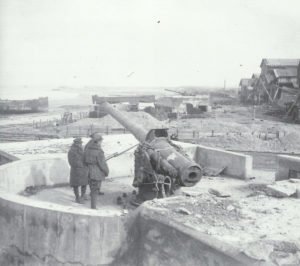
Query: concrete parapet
43, 233
164, 242
18, 175
6, 157
236, 164
287, 166
35, 233
49, 171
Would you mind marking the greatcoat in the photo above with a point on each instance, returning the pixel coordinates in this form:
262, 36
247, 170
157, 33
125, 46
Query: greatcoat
95, 160
78, 172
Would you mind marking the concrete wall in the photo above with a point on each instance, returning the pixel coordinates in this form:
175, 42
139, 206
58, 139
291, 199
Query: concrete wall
34, 234
18, 175
6, 157
286, 165
237, 165
49, 171
42, 233
164, 242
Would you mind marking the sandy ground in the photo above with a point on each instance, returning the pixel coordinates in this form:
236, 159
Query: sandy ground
235, 129
263, 227
233, 126
111, 145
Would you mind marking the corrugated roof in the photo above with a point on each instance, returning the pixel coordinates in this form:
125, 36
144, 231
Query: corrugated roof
280, 62
286, 72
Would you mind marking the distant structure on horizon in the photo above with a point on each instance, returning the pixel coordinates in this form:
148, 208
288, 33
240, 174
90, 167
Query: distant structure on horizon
24, 106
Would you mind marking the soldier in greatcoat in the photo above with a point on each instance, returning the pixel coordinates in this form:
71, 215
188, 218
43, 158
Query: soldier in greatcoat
78, 172
97, 167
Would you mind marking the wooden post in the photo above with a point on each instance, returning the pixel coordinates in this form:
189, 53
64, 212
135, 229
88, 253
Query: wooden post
212, 133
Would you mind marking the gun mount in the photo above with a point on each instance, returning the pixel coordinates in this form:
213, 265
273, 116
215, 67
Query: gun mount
161, 167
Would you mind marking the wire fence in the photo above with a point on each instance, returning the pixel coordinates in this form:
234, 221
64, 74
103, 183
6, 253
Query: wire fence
71, 131
179, 133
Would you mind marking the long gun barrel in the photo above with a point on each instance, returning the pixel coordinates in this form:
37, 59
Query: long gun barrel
138, 132
187, 172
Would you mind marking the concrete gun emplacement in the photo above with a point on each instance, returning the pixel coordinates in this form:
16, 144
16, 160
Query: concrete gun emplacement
161, 167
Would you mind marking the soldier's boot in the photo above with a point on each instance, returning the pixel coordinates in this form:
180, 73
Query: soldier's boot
76, 192
83, 193
99, 188
93, 200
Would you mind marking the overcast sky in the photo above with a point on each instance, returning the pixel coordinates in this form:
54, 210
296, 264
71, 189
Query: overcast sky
50, 43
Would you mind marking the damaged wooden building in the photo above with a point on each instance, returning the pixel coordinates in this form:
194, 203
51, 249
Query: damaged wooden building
277, 84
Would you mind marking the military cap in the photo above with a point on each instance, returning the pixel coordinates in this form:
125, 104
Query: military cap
97, 136
77, 140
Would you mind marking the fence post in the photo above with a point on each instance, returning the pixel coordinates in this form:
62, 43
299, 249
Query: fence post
106, 130
67, 132
212, 133
91, 129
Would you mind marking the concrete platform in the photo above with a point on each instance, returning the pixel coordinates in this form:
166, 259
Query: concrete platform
49, 228
112, 188
287, 167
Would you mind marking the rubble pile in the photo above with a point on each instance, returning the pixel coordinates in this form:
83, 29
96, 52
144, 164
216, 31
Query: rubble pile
261, 226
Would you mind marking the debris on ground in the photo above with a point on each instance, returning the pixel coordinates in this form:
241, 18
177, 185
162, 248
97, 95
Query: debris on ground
183, 211
218, 193
281, 189
294, 180
262, 227
213, 171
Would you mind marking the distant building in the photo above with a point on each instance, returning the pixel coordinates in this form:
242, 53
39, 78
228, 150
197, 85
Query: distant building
168, 104
299, 75
276, 74
246, 90
269, 64
24, 106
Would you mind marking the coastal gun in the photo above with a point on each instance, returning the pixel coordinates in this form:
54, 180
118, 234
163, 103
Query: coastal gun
161, 167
